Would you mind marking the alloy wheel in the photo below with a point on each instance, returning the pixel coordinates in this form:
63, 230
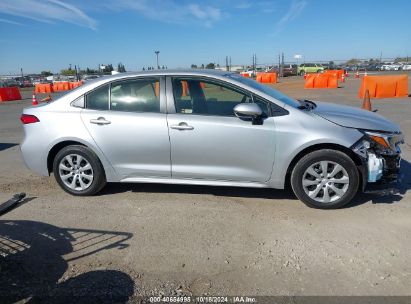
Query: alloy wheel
76, 172
325, 181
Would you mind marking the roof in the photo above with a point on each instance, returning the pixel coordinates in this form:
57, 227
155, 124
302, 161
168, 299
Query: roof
194, 72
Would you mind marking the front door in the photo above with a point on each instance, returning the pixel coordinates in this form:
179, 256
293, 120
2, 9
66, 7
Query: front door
209, 142
125, 120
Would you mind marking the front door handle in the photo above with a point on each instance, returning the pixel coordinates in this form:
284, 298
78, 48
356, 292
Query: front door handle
182, 126
100, 121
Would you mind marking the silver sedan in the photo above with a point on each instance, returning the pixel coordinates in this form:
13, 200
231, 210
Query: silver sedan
203, 127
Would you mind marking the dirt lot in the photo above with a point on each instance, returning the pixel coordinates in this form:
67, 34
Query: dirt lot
146, 239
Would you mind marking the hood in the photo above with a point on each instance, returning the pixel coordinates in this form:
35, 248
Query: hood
351, 117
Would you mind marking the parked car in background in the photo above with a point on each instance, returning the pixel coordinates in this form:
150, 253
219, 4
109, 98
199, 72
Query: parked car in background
350, 68
407, 66
391, 66
206, 127
310, 68
90, 77
373, 67
288, 70
7, 83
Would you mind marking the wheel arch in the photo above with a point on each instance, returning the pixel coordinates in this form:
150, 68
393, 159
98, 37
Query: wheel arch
356, 159
57, 147
111, 174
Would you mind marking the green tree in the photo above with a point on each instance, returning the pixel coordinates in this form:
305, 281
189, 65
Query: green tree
68, 72
46, 73
210, 66
108, 68
121, 68
193, 66
89, 71
353, 61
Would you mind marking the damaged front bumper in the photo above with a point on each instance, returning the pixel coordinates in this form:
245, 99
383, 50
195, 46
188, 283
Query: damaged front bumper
380, 155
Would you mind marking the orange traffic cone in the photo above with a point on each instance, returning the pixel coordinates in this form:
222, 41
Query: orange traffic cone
346, 73
357, 75
34, 100
47, 99
366, 104
305, 75
365, 73
342, 78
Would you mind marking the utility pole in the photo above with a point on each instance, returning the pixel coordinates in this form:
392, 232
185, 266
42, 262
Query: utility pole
254, 62
230, 62
21, 70
226, 64
279, 65
282, 64
157, 52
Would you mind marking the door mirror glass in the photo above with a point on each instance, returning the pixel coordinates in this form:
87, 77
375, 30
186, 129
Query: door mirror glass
248, 110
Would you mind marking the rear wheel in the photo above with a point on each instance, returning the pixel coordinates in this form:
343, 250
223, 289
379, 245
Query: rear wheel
78, 171
325, 179
302, 73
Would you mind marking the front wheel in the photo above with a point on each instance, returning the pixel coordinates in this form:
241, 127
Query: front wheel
325, 179
78, 171
302, 72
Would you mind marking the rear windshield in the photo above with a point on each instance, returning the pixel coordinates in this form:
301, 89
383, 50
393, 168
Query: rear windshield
265, 89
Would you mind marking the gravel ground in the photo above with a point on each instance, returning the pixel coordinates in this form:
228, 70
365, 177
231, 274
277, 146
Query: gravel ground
145, 239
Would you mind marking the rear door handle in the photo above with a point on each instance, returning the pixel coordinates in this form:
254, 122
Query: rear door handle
100, 121
182, 126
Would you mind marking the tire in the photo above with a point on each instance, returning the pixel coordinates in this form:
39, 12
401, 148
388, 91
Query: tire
89, 174
305, 181
302, 73
319, 71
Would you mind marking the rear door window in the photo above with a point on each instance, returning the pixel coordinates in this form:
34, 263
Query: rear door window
136, 95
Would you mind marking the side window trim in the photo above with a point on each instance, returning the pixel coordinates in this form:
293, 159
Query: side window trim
280, 111
162, 95
171, 106
79, 102
93, 90
205, 79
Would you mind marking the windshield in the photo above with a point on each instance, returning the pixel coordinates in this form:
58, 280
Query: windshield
265, 89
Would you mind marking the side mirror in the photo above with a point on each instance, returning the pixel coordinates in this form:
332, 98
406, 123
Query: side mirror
248, 110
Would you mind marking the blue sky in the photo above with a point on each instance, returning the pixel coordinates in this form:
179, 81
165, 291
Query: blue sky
51, 34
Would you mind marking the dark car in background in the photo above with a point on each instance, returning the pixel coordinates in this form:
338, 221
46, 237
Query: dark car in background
288, 70
373, 67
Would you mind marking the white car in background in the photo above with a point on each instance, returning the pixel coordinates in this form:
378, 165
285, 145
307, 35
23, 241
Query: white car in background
391, 67
406, 66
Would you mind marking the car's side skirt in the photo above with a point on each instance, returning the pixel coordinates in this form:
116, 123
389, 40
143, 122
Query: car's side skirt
196, 182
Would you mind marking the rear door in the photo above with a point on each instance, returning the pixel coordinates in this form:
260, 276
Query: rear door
127, 122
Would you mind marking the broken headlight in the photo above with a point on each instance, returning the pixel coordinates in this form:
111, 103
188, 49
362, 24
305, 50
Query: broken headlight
384, 143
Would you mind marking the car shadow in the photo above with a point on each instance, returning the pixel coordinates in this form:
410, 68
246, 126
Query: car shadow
5, 146
113, 188
34, 257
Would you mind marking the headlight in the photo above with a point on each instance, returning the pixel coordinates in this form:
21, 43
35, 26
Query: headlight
380, 139
386, 142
